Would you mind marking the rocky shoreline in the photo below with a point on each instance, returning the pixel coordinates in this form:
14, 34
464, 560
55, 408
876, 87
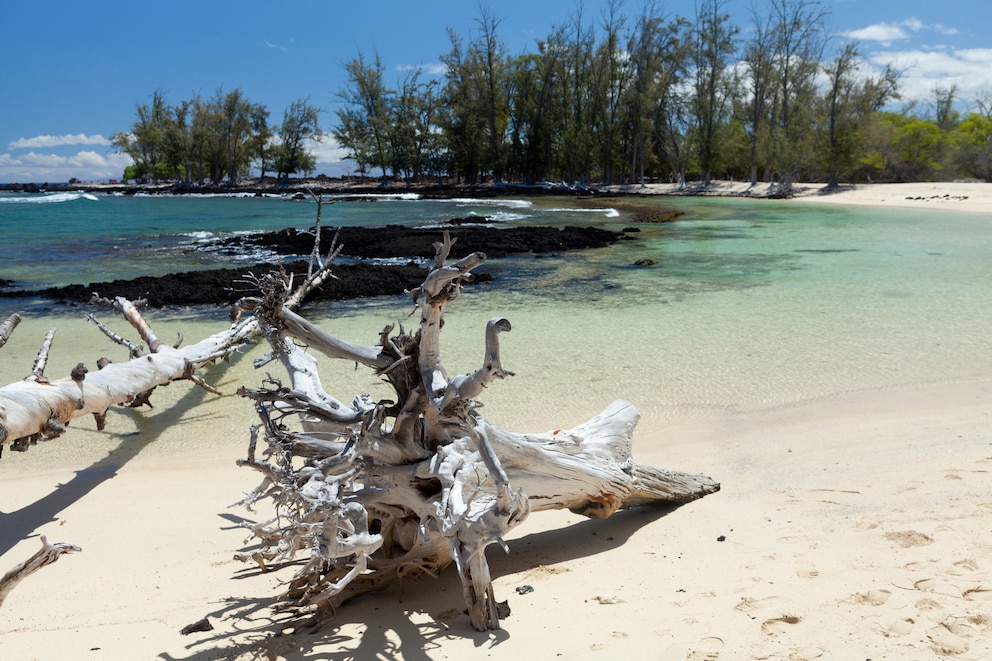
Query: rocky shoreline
360, 279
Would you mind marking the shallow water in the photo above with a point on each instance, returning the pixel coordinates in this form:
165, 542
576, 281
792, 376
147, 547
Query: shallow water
750, 304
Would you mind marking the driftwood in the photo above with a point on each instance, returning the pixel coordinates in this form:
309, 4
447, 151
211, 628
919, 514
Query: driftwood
37, 408
370, 492
48, 554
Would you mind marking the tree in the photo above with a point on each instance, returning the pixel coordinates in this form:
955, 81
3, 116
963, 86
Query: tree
657, 54
412, 139
145, 143
973, 137
575, 91
850, 99
610, 78
491, 84
713, 48
799, 33
758, 60
364, 121
259, 143
461, 114
536, 116
300, 125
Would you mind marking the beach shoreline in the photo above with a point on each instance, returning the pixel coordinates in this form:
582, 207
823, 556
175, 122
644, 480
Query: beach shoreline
853, 525
951, 195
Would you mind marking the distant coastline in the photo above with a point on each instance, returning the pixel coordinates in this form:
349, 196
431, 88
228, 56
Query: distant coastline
957, 195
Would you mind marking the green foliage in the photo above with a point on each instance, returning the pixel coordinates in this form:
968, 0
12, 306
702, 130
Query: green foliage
300, 125
196, 140
972, 138
607, 98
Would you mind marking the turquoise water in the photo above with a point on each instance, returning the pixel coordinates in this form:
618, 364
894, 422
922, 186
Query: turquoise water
68, 238
749, 304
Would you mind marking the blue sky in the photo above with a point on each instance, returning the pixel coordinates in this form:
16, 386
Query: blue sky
74, 71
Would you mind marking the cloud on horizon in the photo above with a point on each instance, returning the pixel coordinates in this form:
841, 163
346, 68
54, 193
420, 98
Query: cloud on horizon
48, 141
35, 167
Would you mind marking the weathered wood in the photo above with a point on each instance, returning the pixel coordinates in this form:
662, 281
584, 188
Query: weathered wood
48, 554
376, 491
8, 326
33, 408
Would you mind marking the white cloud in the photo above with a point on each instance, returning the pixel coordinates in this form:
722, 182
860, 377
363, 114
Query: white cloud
41, 167
913, 24
969, 70
266, 42
328, 152
432, 69
886, 33
44, 141
883, 32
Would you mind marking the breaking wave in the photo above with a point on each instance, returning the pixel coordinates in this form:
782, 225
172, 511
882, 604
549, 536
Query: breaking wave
46, 198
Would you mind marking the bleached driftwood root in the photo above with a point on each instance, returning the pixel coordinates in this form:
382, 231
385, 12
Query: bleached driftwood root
48, 554
372, 492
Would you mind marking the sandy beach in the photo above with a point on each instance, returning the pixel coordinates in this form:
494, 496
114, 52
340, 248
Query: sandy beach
938, 196
854, 526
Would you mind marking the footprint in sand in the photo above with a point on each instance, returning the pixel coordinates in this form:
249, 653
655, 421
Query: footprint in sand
945, 641
962, 567
749, 605
896, 627
873, 597
931, 609
909, 538
780, 625
707, 649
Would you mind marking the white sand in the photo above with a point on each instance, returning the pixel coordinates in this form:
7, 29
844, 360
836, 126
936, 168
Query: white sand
942, 196
854, 527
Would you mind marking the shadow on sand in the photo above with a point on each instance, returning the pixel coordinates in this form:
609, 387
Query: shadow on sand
249, 629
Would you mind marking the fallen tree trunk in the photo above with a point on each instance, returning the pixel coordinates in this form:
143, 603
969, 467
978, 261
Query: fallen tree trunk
36, 407
375, 491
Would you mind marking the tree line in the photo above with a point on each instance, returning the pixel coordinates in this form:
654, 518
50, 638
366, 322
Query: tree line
207, 140
630, 99
606, 99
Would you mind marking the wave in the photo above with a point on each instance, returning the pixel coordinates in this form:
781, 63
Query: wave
609, 212
511, 203
373, 197
46, 198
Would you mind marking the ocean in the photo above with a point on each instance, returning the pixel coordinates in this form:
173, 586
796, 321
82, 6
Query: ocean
745, 304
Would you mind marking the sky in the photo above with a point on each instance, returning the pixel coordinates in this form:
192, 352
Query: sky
76, 71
